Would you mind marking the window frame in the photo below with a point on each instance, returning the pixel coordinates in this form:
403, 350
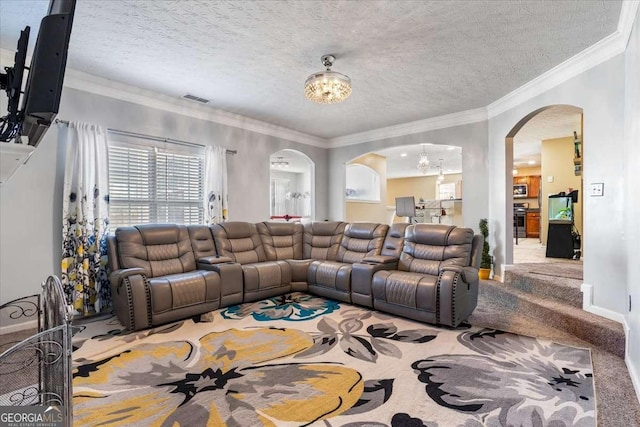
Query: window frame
158, 209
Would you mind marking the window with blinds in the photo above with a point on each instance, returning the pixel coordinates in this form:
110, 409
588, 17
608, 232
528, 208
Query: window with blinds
161, 183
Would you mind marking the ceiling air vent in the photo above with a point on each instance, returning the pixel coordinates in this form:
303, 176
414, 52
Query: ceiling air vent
196, 98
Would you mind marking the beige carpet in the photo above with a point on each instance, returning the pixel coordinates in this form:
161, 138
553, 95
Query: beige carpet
561, 269
304, 360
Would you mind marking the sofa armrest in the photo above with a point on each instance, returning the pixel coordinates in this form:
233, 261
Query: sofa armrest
469, 274
117, 277
211, 260
231, 280
131, 298
457, 294
362, 279
380, 259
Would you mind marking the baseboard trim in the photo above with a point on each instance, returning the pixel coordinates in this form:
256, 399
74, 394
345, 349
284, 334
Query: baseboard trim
587, 305
634, 371
31, 324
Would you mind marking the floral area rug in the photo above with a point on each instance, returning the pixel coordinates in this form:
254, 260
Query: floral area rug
301, 360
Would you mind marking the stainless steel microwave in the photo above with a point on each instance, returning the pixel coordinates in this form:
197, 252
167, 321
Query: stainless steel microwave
520, 190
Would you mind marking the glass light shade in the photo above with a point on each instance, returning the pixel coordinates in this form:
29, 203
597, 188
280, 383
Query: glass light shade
327, 87
423, 163
440, 177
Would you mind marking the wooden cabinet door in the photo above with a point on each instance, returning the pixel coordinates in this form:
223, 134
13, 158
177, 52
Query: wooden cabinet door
521, 180
534, 186
533, 224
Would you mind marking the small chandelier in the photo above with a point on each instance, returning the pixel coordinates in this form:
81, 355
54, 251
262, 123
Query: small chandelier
327, 87
280, 162
423, 163
440, 175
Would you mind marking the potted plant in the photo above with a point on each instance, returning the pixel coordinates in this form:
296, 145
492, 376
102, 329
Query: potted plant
487, 260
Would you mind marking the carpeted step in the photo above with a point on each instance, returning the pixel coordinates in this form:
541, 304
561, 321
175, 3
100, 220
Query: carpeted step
604, 333
544, 281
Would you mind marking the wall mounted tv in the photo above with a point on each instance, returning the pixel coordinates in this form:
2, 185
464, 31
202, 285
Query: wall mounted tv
41, 97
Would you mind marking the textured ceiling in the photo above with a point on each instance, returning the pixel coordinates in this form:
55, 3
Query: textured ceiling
555, 122
407, 60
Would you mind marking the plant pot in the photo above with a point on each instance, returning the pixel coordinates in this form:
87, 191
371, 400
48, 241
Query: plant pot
484, 273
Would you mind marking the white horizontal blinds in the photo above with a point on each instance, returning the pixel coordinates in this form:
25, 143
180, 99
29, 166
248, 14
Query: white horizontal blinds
131, 189
155, 183
179, 188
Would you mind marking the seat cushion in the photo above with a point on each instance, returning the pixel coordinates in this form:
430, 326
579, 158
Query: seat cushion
265, 275
330, 274
406, 289
182, 290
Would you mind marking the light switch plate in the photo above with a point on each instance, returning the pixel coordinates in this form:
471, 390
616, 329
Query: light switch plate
550, 178
596, 189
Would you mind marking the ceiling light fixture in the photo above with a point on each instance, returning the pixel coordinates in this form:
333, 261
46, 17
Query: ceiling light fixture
423, 163
440, 175
280, 163
327, 87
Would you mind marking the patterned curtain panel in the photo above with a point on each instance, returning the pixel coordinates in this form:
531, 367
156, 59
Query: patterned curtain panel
216, 196
85, 219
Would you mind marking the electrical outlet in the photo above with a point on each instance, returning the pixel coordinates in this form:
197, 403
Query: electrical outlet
596, 189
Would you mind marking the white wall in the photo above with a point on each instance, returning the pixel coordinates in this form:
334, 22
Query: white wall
600, 93
31, 201
471, 137
632, 198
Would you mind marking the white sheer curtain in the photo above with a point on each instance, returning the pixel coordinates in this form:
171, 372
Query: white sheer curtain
85, 218
216, 196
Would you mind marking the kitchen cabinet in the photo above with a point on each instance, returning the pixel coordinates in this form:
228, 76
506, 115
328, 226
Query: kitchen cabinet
533, 224
533, 184
521, 180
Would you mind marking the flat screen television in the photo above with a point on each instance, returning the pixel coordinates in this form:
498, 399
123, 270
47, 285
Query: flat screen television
41, 98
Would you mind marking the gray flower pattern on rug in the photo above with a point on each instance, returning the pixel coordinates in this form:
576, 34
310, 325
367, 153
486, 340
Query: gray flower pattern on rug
362, 346
496, 384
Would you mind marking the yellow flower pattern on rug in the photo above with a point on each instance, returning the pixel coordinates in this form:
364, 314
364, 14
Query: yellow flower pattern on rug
229, 378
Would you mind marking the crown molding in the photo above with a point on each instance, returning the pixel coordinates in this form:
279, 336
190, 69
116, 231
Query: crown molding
627, 18
433, 123
100, 86
595, 54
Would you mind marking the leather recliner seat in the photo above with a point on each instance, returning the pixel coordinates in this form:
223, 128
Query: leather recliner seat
262, 278
331, 277
283, 241
435, 281
154, 277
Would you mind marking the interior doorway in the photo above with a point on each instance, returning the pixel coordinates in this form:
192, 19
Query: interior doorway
291, 186
544, 151
430, 173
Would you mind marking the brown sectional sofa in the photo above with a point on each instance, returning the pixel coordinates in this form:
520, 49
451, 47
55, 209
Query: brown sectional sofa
165, 272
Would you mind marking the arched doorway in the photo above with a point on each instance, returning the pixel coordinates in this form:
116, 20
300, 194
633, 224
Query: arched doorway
544, 153
374, 180
291, 186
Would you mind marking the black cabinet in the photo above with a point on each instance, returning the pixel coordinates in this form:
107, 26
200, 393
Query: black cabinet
560, 241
